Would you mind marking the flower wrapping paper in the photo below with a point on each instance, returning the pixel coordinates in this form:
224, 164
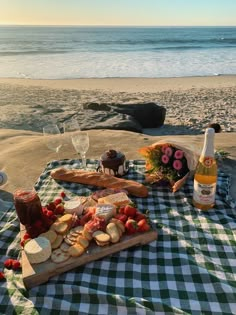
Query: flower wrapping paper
169, 163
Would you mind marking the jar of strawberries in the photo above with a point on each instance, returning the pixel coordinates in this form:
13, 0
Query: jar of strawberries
28, 206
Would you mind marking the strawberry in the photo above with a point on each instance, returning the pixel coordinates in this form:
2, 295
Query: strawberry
8, 263
63, 194
26, 236
50, 213
51, 206
59, 209
130, 211
121, 210
122, 217
131, 226
2, 276
23, 242
143, 226
57, 201
45, 210
139, 216
16, 264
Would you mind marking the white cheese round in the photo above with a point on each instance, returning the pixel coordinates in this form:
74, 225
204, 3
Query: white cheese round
38, 250
74, 205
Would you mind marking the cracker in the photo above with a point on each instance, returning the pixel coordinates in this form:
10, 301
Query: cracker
50, 235
59, 227
66, 218
57, 241
76, 250
82, 241
78, 229
69, 241
64, 247
58, 256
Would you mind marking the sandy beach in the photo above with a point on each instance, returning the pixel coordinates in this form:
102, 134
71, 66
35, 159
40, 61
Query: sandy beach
191, 103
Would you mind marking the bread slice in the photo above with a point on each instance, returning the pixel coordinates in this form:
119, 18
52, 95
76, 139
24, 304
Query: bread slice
101, 237
59, 227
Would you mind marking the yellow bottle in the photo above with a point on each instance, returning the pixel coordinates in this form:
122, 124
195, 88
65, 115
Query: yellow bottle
205, 178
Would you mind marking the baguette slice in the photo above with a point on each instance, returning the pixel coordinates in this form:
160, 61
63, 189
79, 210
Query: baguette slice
100, 180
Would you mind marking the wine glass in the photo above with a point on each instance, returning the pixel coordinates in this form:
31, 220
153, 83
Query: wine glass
53, 137
4, 205
71, 128
80, 141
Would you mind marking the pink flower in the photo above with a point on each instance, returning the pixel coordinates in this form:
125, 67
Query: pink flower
177, 165
164, 147
179, 154
168, 151
165, 159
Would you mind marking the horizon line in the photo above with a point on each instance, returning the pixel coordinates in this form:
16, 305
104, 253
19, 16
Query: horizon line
117, 25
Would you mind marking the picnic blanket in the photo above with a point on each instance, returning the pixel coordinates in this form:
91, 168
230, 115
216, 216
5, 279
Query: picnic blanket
190, 269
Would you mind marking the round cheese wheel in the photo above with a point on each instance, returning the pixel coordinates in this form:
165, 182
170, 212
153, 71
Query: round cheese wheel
38, 250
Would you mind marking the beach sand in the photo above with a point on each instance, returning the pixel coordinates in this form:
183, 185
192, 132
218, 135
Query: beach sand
191, 103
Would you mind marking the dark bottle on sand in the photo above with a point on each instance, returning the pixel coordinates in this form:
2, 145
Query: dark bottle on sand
205, 178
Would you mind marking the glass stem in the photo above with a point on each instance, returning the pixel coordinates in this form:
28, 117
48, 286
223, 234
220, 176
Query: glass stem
83, 157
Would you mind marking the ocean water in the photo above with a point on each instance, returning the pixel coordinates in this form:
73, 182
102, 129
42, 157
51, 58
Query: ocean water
99, 52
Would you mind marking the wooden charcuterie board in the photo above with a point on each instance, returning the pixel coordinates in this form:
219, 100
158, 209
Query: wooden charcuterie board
37, 274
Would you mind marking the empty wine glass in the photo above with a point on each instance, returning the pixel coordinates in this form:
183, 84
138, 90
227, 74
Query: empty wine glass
4, 205
80, 142
71, 128
53, 137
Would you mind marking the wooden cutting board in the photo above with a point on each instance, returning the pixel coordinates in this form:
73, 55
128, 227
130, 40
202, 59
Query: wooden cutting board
36, 274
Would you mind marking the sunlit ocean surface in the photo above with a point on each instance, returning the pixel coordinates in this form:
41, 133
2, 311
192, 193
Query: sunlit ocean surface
98, 52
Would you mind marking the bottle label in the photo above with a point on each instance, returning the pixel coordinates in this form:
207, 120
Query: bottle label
208, 161
204, 193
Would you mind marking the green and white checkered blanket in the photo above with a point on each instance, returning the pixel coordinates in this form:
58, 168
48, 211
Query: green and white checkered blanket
190, 269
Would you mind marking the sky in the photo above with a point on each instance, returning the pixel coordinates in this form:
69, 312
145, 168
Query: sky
119, 12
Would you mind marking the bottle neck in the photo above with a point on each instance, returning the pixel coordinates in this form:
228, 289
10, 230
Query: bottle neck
208, 147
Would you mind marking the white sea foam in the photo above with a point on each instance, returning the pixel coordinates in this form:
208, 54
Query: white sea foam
40, 53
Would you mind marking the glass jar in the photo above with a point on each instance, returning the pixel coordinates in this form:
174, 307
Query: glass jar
28, 206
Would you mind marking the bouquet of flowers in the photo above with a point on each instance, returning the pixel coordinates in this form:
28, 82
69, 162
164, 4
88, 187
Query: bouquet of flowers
168, 164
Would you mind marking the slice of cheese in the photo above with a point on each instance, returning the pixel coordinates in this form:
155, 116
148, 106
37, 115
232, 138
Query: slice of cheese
106, 211
38, 250
118, 199
75, 205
